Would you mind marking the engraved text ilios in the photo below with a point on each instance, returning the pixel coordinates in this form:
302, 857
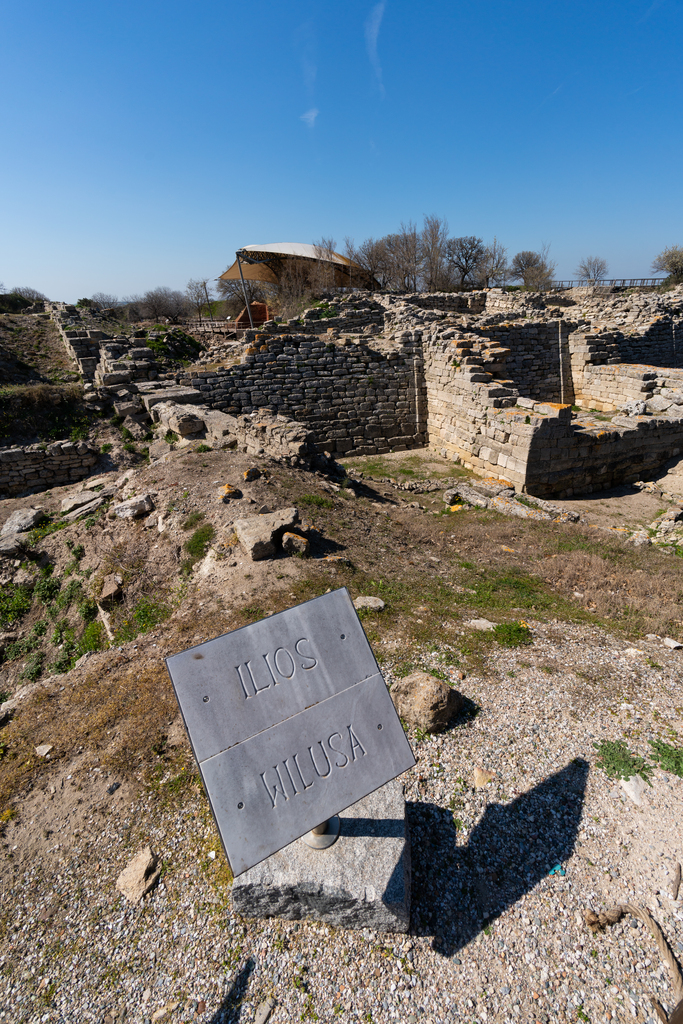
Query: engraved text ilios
298, 772
274, 667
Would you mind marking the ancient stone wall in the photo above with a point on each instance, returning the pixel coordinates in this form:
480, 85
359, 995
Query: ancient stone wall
355, 398
37, 467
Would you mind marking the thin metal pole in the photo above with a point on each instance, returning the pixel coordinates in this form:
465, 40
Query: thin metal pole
210, 312
244, 289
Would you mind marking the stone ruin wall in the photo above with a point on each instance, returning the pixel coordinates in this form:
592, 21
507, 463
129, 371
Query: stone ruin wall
355, 397
36, 467
484, 377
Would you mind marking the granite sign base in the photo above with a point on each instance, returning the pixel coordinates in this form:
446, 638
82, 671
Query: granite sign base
362, 881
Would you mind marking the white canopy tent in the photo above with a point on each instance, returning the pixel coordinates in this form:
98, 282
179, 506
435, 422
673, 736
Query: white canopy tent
266, 263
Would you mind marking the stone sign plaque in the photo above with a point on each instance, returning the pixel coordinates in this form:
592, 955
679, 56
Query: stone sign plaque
290, 722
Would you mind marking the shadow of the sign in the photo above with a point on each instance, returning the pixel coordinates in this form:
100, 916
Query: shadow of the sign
230, 1010
385, 828
459, 890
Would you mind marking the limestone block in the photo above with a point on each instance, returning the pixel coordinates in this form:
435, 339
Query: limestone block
260, 535
362, 881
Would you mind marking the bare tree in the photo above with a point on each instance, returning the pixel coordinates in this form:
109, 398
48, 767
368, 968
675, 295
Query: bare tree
535, 269
493, 268
464, 255
164, 303
371, 256
101, 300
433, 243
403, 258
199, 294
32, 294
670, 261
592, 269
322, 275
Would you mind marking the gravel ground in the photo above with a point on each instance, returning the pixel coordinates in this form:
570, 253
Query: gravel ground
494, 935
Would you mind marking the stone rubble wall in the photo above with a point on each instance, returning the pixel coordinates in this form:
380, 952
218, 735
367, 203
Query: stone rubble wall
277, 436
356, 399
37, 467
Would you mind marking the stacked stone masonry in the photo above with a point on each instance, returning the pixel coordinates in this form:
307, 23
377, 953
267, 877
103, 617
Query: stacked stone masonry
354, 397
37, 467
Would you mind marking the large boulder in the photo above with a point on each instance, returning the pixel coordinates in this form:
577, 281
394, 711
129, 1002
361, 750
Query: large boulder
425, 702
11, 544
260, 535
22, 520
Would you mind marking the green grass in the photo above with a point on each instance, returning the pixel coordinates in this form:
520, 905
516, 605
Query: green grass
199, 541
504, 590
170, 437
192, 520
315, 501
617, 761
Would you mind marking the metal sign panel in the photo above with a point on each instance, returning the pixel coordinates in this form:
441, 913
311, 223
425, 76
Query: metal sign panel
290, 722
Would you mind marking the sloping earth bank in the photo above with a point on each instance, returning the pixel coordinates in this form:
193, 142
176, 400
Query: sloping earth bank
493, 935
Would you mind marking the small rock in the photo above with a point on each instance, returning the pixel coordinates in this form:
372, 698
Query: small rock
293, 544
482, 624
673, 645
640, 539
252, 474
22, 520
111, 590
139, 506
481, 778
231, 493
634, 788
140, 876
201, 1006
264, 1010
43, 749
164, 1011
373, 604
425, 702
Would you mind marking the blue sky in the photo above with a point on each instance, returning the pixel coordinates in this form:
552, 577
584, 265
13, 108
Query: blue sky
145, 141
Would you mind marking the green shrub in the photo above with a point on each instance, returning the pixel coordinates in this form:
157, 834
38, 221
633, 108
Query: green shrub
33, 667
106, 448
199, 541
170, 437
15, 602
670, 759
47, 587
617, 761
512, 634
203, 448
148, 612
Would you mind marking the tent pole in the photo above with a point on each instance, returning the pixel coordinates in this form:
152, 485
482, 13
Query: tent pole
244, 289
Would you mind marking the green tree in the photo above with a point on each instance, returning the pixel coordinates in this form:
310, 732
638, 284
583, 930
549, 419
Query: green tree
670, 261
